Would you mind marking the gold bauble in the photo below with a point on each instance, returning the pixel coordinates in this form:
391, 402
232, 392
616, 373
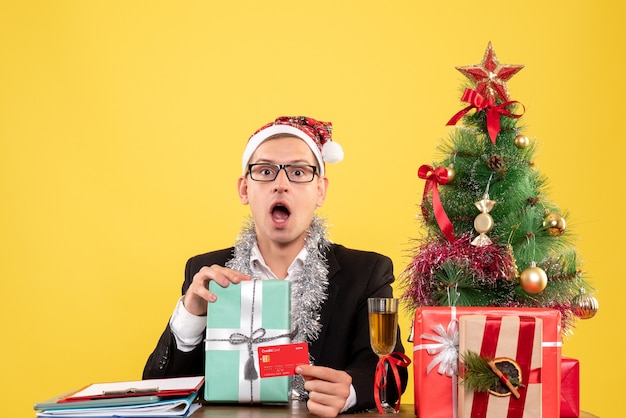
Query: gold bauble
521, 141
584, 305
533, 279
451, 173
555, 224
483, 223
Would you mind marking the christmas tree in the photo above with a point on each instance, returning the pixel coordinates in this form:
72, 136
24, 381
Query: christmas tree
493, 238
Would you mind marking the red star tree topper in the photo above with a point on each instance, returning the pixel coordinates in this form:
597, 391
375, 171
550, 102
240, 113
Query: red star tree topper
490, 76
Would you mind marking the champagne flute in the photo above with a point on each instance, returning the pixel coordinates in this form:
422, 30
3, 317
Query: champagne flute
383, 320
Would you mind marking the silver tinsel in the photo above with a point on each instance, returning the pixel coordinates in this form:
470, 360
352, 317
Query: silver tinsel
308, 286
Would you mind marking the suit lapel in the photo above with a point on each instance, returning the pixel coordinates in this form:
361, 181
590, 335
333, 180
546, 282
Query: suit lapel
327, 307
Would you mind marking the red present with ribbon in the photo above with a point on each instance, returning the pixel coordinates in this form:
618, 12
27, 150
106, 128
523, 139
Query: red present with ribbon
511, 339
570, 388
435, 357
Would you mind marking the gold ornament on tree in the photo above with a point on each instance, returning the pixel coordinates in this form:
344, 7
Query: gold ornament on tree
533, 279
521, 141
451, 173
584, 305
555, 224
483, 223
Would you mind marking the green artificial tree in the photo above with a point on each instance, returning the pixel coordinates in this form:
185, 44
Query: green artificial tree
493, 238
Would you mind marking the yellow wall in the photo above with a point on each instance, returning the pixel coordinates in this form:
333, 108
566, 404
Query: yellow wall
122, 124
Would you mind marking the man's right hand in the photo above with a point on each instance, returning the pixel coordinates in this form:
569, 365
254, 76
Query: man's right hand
198, 293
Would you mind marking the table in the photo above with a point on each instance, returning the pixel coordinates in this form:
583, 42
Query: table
294, 409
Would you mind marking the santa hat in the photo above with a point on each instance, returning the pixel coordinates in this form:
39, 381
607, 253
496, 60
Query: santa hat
316, 134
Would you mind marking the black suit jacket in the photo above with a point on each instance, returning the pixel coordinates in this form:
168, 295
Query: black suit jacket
343, 343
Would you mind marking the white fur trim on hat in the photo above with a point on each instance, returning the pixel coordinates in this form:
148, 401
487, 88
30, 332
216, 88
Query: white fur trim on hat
258, 138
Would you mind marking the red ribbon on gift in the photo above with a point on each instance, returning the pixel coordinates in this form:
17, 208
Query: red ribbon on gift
477, 101
435, 177
380, 379
523, 359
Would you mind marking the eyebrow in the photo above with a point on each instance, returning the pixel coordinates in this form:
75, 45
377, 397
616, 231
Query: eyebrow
265, 161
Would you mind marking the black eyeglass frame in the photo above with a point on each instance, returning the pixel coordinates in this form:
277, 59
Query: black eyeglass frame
282, 167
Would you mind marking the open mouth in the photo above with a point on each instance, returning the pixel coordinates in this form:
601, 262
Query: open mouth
280, 213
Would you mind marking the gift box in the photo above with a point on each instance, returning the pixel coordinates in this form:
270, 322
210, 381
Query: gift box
435, 357
514, 343
244, 317
570, 388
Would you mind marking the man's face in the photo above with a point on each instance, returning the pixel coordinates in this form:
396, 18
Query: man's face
282, 210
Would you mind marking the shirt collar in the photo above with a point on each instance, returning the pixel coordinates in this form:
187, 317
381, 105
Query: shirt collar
261, 270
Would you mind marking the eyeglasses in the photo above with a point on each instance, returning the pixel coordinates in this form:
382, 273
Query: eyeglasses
296, 173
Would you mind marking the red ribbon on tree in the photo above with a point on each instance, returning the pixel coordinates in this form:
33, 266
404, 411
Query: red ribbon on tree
380, 380
433, 178
477, 101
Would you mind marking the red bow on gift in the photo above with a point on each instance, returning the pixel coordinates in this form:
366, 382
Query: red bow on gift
493, 111
380, 379
433, 178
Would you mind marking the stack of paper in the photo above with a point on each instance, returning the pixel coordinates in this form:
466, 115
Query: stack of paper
142, 398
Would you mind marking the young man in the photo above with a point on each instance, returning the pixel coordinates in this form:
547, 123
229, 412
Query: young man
283, 181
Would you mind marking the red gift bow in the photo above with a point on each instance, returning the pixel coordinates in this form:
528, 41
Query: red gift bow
433, 178
380, 382
493, 112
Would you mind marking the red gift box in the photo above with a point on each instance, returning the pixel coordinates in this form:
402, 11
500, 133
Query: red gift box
570, 388
435, 357
517, 339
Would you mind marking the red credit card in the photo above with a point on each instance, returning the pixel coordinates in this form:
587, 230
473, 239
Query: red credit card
281, 360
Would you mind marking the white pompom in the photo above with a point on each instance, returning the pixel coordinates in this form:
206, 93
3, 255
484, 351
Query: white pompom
332, 152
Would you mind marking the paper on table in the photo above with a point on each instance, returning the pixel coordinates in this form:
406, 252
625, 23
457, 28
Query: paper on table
54, 403
180, 407
162, 387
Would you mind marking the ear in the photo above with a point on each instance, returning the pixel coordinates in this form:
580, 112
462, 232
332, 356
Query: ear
322, 188
242, 188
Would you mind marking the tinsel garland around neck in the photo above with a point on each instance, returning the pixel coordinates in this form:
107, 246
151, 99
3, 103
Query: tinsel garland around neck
308, 286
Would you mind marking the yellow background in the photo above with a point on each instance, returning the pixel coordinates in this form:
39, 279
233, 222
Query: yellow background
122, 124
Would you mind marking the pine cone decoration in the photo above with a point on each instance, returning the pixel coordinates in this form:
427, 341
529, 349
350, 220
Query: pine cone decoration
495, 162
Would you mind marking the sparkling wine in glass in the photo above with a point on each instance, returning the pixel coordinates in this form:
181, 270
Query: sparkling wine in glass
383, 320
